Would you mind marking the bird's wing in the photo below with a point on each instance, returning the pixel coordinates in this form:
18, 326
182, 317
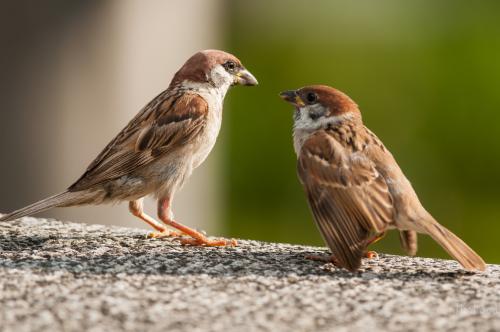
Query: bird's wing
349, 199
166, 124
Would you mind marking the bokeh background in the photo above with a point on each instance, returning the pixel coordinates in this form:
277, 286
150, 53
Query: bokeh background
426, 75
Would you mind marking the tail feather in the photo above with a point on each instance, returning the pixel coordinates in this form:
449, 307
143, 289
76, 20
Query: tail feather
62, 199
408, 241
455, 247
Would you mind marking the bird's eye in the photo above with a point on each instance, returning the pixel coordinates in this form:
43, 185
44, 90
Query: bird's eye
311, 97
230, 66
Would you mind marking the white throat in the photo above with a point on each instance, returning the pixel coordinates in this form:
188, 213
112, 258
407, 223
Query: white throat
213, 91
304, 126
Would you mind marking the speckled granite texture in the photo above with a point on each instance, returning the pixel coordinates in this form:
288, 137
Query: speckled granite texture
58, 276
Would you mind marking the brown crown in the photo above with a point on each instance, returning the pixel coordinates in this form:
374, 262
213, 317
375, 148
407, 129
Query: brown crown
336, 101
198, 66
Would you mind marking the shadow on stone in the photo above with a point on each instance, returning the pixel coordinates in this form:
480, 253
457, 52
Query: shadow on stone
134, 254
110, 278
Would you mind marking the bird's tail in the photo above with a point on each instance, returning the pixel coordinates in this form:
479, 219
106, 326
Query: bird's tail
63, 199
454, 246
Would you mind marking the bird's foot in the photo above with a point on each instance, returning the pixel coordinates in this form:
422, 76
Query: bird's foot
164, 234
370, 254
204, 241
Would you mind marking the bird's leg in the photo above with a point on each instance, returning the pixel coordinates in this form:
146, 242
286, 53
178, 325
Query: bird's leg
370, 253
377, 238
196, 238
137, 209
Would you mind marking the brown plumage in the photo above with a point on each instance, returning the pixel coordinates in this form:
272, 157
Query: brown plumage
355, 188
149, 136
160, 147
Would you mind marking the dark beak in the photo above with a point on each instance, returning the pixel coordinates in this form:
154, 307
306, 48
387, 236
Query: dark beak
292, 97
244, 77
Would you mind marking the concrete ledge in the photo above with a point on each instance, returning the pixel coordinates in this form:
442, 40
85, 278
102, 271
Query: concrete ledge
58, 276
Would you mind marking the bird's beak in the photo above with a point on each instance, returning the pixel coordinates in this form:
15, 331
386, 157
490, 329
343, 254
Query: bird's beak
292, 97
244, 77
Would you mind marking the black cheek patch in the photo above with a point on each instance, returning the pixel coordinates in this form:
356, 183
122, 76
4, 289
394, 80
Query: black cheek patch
315, 115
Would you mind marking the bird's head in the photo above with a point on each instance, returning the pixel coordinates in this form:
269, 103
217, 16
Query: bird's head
318, 106
215, 68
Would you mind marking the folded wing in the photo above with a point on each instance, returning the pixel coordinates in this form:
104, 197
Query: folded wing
176, 121
349, 199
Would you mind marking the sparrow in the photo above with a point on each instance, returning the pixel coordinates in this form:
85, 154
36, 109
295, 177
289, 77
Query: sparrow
160, 147
354, 186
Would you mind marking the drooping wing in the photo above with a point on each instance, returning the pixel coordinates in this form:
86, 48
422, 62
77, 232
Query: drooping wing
349, 199
167, 123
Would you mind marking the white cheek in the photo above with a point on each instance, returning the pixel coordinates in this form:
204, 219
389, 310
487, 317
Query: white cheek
221, 77
304, 121
302, 116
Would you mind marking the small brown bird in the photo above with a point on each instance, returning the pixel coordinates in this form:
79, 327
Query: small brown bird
157, 151
355, 188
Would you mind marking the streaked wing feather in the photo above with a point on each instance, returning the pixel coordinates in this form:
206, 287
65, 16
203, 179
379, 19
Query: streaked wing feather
164, 101
349, 199
171, 124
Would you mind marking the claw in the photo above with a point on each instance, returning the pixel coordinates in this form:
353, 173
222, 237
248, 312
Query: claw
189, 241
162, 235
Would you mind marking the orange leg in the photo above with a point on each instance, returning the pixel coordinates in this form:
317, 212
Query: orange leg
377, 238
373, 254
136, 208
197, 238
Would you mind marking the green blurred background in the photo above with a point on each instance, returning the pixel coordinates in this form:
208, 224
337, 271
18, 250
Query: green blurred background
426, 75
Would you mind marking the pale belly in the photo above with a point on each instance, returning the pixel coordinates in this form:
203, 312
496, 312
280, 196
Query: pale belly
171, 172
206, 141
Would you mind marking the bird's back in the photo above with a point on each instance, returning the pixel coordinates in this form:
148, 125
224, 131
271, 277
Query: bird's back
405, 200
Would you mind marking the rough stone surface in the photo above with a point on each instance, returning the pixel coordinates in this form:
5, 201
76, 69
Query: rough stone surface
58, 276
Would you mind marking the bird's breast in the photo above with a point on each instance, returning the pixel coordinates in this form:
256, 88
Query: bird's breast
200, 147
299, 137
208, 136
